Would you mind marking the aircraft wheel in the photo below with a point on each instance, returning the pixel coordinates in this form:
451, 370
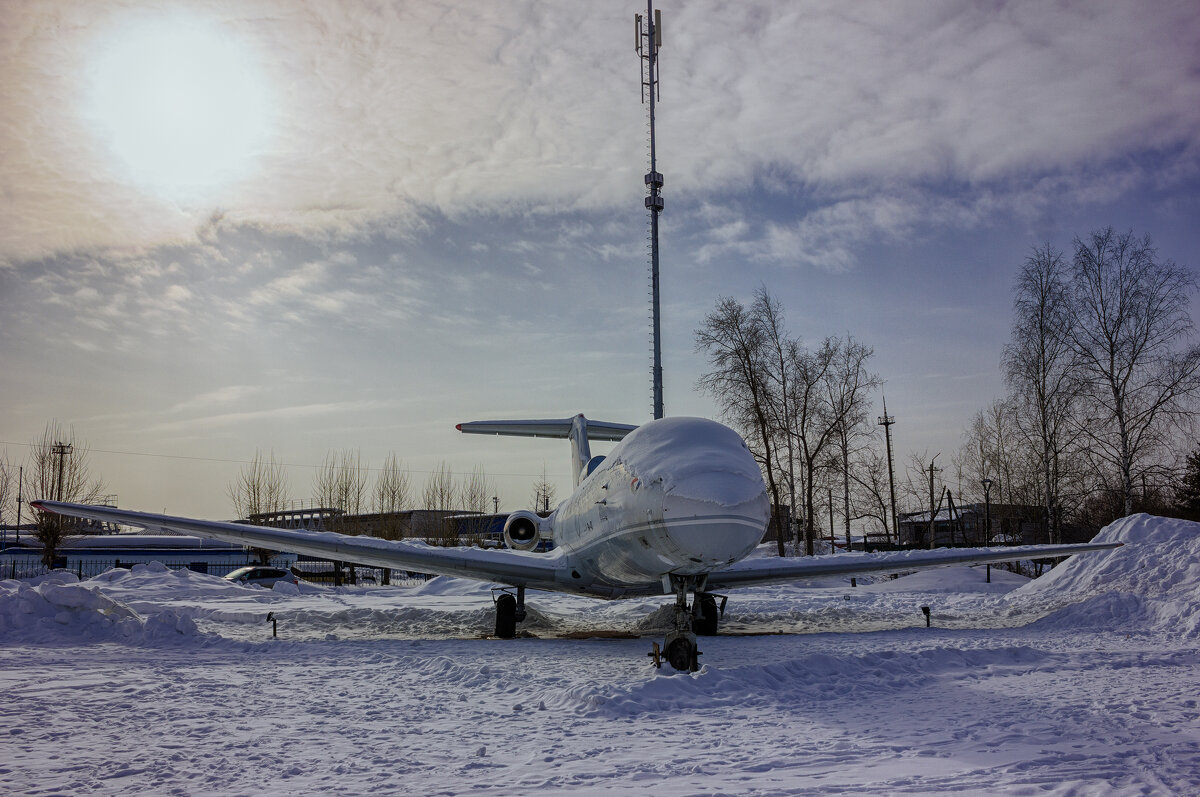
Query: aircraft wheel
681, 654
705, 622
506, 616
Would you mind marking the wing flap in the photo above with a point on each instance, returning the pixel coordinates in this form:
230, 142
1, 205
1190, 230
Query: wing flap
775, 570
540, 571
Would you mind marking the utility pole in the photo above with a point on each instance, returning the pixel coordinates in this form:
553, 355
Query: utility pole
932, 508
20, 500
60, 450
648, 38
987, 519
886, 422
831, 523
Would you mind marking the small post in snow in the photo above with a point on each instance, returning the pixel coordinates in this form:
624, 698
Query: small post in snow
274, 625
925, 611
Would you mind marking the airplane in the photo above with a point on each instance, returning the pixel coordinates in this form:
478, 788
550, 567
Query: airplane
674, 509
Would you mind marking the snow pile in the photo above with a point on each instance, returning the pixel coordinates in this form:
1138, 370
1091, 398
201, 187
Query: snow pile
809, 680
1152, 583
56, 610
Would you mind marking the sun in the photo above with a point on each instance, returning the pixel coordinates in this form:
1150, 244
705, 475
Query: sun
182, 104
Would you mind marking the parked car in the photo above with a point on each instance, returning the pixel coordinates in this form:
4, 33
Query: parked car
262, 575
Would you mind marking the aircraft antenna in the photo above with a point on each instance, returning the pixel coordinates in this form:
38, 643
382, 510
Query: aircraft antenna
648, 38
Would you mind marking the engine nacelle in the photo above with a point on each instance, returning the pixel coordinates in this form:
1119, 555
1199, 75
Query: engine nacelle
522, 530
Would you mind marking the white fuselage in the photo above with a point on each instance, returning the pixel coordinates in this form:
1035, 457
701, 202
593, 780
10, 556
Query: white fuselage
679, 496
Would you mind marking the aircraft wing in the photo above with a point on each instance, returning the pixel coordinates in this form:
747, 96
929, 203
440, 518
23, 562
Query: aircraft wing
777, 570
516, 568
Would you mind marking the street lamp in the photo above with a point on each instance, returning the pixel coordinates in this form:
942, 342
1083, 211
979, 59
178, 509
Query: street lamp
987, 512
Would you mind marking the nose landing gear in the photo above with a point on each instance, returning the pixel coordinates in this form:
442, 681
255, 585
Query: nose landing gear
679, 648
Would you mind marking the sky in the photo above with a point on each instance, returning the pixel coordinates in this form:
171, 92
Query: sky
300, 227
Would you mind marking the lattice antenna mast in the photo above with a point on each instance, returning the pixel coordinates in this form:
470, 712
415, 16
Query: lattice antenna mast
648, 38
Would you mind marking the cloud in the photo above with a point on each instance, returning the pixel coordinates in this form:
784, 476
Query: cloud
384, 113
292, 413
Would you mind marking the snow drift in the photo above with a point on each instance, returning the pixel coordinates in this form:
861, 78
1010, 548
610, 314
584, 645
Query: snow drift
57, 609
1152, 583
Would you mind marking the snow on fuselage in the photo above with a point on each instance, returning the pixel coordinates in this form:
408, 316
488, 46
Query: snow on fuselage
678, 495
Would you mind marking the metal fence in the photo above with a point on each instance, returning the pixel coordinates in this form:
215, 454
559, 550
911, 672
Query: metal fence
314, 571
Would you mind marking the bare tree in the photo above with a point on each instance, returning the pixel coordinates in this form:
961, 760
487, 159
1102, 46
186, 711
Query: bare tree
1129, 326
923, 489
543, 494
392, 496
791, 404
740, 382
869, 486
260, 488
341, 483
780, 352
1042, 373
392, 490
9, 473
813, 422
475, 498
440, 496
848, 389
58, 470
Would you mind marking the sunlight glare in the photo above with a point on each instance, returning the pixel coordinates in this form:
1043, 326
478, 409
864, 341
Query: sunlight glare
182, 104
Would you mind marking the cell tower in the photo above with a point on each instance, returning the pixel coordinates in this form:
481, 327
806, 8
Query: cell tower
648, 38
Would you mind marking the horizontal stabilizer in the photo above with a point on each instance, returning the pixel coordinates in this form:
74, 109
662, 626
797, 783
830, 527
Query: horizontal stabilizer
579, 430
596, 430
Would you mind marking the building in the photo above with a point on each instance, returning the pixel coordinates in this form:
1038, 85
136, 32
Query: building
1011, 524
91, 555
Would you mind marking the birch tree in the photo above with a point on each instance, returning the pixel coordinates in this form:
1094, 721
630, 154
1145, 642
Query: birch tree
740, 383
1042, 373
1129, 330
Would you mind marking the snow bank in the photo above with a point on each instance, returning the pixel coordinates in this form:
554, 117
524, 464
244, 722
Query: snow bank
1150, 584
57, 611
809, 679
450, 585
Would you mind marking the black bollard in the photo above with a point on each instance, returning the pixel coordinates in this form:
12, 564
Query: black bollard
274, 625
925, 610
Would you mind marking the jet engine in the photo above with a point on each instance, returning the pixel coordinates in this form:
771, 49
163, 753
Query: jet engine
522, 530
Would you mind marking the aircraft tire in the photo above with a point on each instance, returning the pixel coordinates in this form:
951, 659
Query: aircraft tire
681, 654
705, 622
506, 616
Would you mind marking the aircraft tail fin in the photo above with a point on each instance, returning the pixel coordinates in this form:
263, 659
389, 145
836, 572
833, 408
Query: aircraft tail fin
579, 430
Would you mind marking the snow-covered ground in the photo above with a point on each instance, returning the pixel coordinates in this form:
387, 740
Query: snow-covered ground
1085, 681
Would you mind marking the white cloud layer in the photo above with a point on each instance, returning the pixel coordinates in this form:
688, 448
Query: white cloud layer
441, 217
381, 112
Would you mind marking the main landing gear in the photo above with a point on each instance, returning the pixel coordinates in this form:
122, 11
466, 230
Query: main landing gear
700, 618
510, 610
